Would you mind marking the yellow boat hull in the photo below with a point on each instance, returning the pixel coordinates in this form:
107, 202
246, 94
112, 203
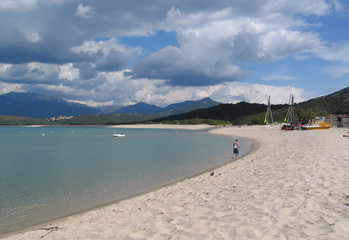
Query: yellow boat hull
317, 125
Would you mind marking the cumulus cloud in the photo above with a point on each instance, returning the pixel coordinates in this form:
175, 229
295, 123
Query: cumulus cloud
336, 53
184, 68
85, 11
32, 36
8, 87
338, 56
274, 77
53, 47
212, 45
18, 5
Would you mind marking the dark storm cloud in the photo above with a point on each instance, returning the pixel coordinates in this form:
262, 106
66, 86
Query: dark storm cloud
115, 61
47, 31
18, 70
86, 71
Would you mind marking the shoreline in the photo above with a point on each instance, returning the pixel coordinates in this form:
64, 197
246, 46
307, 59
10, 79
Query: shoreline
205, 128
292, 185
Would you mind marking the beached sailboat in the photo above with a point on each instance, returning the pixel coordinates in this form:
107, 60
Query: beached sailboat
289, 115
268, 115
317, 125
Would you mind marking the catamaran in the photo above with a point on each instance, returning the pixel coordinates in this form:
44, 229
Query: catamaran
317, 125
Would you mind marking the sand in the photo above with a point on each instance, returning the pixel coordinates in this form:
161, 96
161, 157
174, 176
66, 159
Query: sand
294, 185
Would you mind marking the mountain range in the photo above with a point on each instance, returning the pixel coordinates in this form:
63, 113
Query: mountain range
43, 106
189, 112
240, 113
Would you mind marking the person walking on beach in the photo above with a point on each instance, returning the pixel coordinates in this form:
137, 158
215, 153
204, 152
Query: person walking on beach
236, 147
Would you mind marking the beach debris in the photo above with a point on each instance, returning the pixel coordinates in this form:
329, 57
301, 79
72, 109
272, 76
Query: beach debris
50, 230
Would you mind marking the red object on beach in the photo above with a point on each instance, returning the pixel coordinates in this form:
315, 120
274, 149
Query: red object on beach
287, 127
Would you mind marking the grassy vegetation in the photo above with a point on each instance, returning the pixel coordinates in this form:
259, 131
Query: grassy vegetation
14, 120
253, 114
105, 119
236, 114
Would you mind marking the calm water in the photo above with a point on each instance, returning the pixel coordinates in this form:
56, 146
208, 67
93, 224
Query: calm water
51, 172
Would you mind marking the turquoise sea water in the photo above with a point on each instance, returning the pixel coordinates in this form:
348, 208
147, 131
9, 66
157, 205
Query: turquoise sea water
52, 172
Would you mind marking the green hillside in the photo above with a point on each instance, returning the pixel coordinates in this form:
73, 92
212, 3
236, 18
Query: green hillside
14, 120
105, 119
236, 114
246, 113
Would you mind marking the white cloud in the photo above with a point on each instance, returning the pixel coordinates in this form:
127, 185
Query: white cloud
336, 53
274, 77
120, 89
9, 87
4, 68
305, 7
127, 91
67, 71
278, 44
213, 45
218, 41
18, 5
338, 70
85, 11
92, 103
338, 58
32, 36
93, 47
42, 71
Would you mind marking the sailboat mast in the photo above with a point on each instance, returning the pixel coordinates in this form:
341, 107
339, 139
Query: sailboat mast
268, 115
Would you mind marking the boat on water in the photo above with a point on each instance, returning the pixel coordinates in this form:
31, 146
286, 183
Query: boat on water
119, 135
317, 125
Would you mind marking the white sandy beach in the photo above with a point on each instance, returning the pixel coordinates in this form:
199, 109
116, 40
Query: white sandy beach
295, 185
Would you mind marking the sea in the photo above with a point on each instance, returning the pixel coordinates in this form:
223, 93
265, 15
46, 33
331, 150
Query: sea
47, 173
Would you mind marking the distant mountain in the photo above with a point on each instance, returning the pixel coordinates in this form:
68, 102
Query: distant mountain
240, 113
140, 108
109, 109
225, 112
40, 106
188, 106
43, 106
252, 113
177, 108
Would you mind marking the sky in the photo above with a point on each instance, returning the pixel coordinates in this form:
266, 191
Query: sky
117, 52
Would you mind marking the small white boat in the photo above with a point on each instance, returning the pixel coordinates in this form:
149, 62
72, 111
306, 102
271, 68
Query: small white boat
118, 135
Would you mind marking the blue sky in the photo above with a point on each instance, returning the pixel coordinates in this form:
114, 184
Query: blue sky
116, 52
